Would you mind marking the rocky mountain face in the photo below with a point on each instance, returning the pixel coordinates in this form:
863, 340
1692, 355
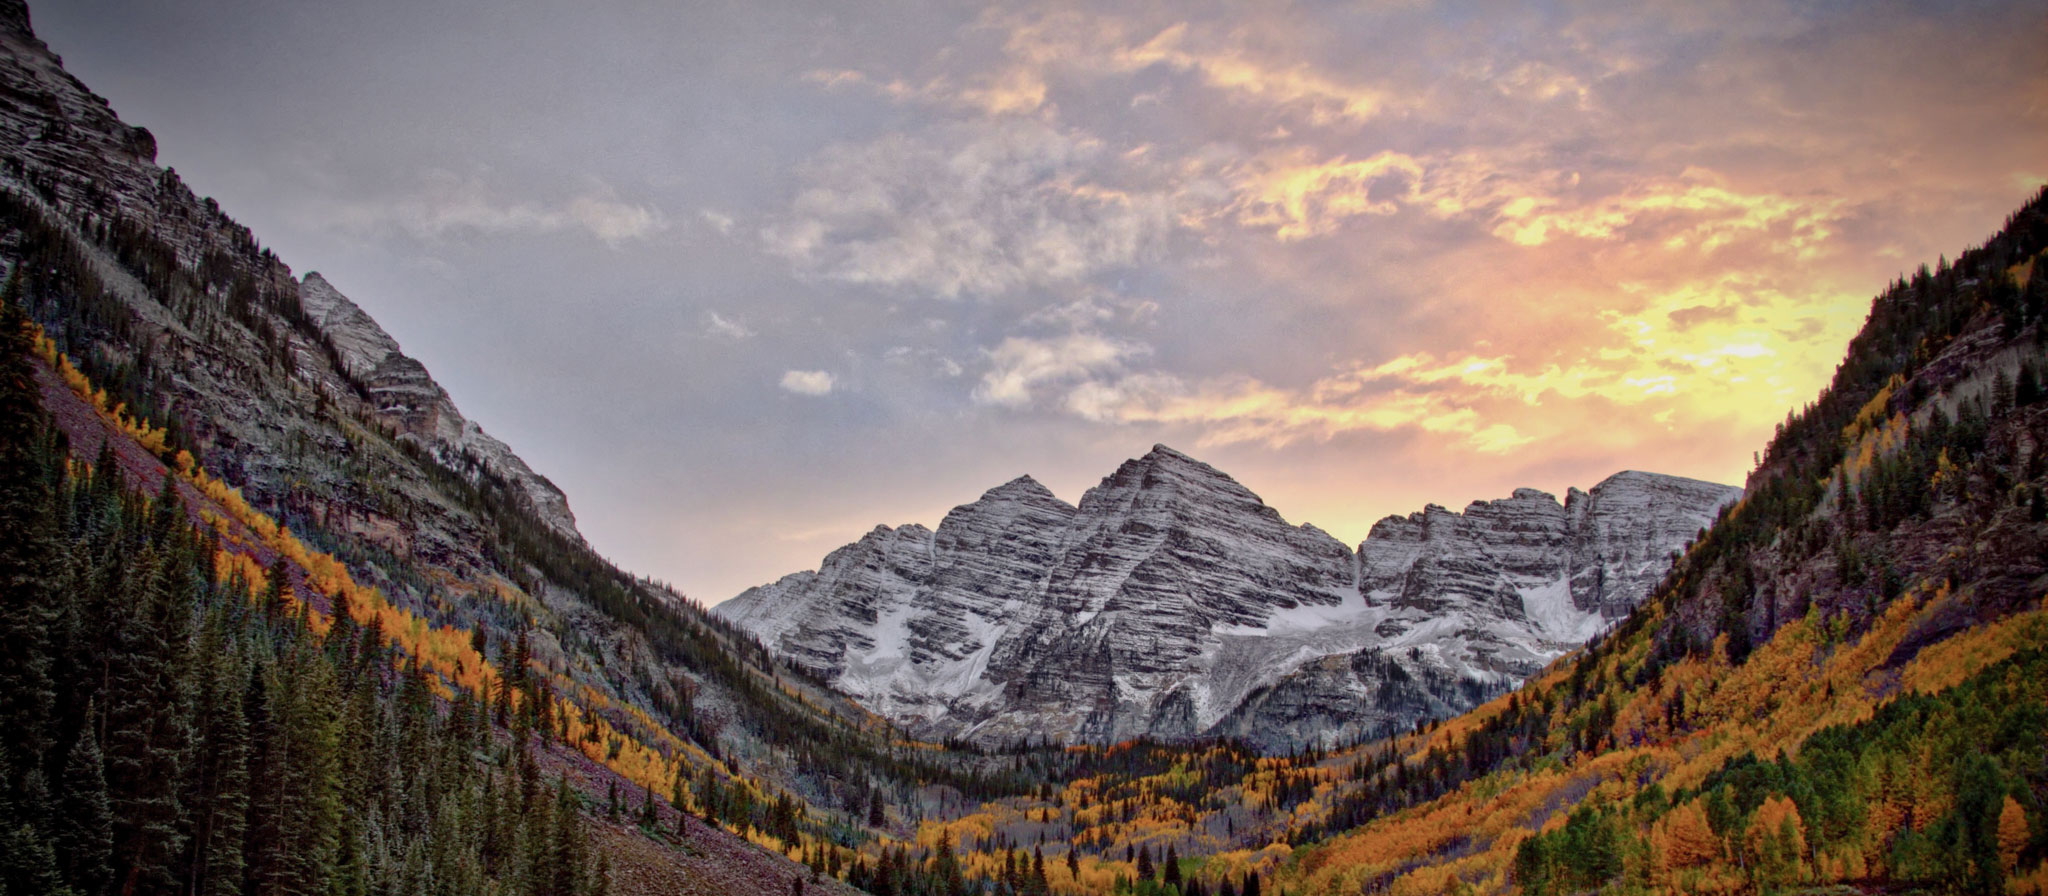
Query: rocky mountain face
207, 364
1467, 604
404, 393
243, 335
1172, 602
287, 391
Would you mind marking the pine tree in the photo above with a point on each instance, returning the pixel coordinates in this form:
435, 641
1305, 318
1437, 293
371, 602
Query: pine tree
1170, 875
84, 825
263, 833
217, 796
147, 734
277, 588
28, 557
564, 854
28, 864
946, 868
311, 804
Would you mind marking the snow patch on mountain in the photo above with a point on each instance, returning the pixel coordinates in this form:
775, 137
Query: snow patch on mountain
1172, 602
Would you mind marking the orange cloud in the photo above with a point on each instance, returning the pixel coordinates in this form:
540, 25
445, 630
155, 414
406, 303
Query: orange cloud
1233, 70
1703, 216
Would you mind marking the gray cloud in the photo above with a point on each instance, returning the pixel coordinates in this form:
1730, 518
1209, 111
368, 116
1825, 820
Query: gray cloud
967, 210
722, 327
1363, 256
1021, 366
446, 205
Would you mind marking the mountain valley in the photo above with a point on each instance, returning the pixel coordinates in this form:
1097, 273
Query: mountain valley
276, 617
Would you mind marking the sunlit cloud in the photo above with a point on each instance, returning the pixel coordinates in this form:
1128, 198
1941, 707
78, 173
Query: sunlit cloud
1235, 71
1305, 199
808, 382
1020, 367
1680, 215
959, 210
1013, 91
1707, 350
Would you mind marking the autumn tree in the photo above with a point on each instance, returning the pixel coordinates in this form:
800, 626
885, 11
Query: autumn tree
1684, 839
2012, 833
1774, 844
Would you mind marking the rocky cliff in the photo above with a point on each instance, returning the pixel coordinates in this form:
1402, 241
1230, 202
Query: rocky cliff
208, 297
1466, 604
403, 393
353, 470
1172, 602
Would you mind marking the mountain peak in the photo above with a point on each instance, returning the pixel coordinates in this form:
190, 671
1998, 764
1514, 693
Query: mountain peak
1022, 487
1161, 455
362, 343
1165, 462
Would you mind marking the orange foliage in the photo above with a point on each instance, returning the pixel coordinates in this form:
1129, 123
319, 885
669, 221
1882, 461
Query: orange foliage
2012, 833
145, 435
1684, 839
1775, 840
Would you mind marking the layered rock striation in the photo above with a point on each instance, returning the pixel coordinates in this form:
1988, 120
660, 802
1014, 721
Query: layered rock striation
1172, 602
404, 394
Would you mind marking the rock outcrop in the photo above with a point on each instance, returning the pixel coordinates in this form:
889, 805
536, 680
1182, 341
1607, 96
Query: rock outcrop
403, 392
1172, 602
227, 314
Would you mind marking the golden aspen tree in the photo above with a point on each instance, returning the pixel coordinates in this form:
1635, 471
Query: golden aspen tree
1684, 839
2012, 833
1775, 842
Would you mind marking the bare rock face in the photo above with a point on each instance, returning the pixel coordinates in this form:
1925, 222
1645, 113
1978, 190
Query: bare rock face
246, 333
403, 392
1161, 561
1623, 534
14, 15
1468, 604
1531, 574
1173, 603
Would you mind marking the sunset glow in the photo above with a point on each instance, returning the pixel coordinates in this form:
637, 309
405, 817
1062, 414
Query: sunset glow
746, 283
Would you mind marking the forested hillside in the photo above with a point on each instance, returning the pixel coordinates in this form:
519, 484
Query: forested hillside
177, 724
261, 632
168, 339
1841, 683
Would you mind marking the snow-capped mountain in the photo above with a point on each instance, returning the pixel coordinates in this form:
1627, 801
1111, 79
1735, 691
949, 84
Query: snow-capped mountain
1172, 602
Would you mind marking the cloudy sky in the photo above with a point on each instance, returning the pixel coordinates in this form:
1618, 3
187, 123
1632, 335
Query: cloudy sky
748, 278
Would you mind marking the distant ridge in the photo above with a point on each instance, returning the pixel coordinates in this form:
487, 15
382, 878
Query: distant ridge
1173, 603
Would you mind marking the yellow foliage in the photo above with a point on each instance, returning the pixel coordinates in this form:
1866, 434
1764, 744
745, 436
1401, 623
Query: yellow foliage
1775, 841
1683, 838
2012, 833
2033, 883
